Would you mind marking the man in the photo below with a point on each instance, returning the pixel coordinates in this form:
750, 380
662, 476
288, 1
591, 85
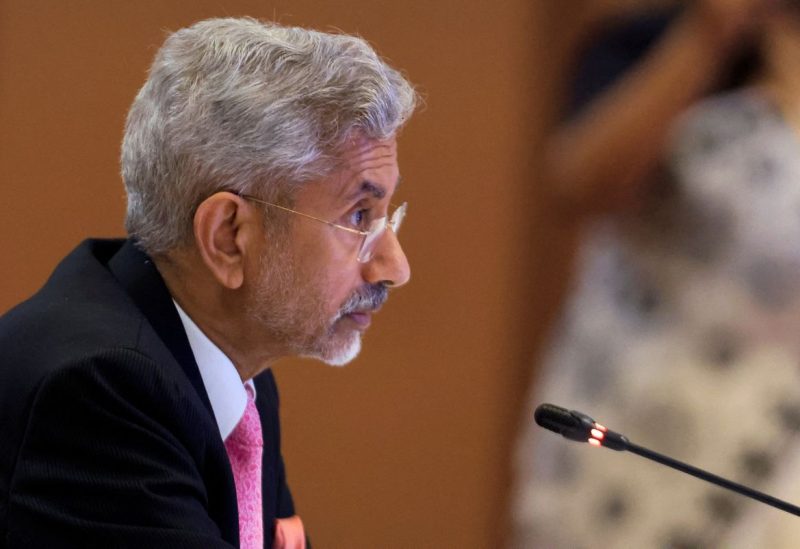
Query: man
136, 404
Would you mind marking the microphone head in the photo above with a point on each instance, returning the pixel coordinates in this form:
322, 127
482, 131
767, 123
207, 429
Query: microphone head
570, 424
578, 426
553, 417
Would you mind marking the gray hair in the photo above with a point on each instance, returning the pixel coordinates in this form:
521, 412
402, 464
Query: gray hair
251, 107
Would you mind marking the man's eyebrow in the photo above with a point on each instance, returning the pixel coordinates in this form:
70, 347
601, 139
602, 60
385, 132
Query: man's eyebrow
368, 187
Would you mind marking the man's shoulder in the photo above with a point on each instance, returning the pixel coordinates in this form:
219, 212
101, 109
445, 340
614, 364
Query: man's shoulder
81, 307
82, 336
81, 292
79, 277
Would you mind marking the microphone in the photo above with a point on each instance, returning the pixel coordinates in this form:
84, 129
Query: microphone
582, 428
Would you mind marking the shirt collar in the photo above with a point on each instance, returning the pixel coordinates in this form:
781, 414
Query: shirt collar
221, 379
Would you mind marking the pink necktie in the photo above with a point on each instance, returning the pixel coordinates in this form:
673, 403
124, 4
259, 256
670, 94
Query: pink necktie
245, 446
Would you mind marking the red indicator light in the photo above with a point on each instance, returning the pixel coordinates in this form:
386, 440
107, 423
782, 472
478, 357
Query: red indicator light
598, 426
598, 434
594, 442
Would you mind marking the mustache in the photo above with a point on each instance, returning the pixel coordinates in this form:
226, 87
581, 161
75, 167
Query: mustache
367, 298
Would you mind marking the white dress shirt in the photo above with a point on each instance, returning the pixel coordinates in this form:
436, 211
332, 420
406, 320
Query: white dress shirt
221, 379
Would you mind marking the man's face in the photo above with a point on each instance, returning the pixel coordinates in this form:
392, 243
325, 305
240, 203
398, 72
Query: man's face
312, 294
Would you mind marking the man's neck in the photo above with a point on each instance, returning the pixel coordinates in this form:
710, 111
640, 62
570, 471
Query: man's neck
219, 313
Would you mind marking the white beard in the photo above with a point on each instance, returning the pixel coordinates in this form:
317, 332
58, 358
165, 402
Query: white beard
344, 353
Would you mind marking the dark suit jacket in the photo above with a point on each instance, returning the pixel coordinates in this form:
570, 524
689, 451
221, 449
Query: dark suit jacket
107, 437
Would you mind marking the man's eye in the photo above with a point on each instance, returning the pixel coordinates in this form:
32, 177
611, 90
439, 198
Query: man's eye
358, 218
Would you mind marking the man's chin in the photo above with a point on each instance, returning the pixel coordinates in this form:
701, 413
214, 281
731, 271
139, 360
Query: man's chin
340, 354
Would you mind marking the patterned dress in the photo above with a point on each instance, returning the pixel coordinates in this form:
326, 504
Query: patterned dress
683, 333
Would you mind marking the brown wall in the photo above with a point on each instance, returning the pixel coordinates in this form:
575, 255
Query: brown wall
407, 446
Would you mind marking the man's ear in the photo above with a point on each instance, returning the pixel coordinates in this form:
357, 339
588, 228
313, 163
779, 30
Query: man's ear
222, 228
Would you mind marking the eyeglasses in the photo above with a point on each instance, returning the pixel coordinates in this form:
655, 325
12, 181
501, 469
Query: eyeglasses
369, 237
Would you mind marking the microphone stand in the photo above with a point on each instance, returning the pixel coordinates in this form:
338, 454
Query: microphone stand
712, 478
580, 427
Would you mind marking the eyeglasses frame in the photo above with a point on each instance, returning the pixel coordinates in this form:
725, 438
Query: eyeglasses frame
389, 222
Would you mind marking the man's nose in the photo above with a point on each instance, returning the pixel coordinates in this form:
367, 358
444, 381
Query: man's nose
388, 265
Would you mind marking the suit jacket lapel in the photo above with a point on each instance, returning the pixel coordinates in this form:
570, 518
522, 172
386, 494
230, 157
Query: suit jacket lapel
138, 275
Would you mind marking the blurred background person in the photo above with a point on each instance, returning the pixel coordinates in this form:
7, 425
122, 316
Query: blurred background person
683, 326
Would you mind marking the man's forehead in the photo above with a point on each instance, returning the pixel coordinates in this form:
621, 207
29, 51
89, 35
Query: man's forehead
370, 167
367, 168
360, 148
